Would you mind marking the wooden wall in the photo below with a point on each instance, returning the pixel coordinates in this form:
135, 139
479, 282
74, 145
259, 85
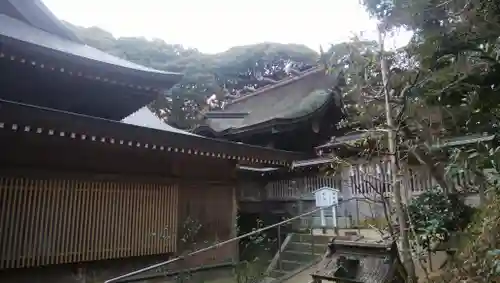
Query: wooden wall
213, 208
54, 221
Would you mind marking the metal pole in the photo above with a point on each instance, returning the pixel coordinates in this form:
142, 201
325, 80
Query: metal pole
279, 247
312, 236
357, 216
215, 246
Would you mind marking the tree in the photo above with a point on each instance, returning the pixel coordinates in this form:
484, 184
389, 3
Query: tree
457, 44
235, 72
455, 51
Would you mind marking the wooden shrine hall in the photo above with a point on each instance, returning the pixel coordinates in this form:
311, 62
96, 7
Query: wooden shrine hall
92, 183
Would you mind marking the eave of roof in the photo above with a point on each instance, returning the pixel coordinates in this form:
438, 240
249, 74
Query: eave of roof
264, 123
43, 121
443, 143
61, 50
144, 117
279, 84
35, 13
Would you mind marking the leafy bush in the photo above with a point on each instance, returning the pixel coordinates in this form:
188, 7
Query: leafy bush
436, 215
478, 259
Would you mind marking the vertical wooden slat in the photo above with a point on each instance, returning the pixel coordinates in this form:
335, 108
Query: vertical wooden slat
145, 221
8, 223
19, 205
43, 222
159, 228
28, 206
63, 227
82, 221
4, 200
16, 207
52, 225
21, 253
15, 223
174, 196
140, 218
136, 219
34, 221
99, 210
129, 220
57, 228
153, 231
133, 219
96, 224
101, 216
121, 216
74, 198
89, 216
111, 220
167, 216
105, 220
66, 223
150, 219
126, 215
113, 229
163, 211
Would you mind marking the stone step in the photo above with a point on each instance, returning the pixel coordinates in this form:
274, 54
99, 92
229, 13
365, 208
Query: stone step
308, 238
302, 257
342, 222
288, 265
307, 247
267, 280
276, 274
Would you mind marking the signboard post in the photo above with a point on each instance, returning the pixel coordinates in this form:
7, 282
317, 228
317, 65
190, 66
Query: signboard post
327, 197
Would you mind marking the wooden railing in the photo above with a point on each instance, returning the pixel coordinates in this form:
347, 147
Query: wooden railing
299, 187
356, 181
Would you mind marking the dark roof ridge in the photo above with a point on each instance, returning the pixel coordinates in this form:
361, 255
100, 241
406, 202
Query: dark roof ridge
277, 85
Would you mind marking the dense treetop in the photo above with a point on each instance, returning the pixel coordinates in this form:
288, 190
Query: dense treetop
236, 71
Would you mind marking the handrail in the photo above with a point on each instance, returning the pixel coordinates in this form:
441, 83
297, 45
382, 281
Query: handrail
116, 279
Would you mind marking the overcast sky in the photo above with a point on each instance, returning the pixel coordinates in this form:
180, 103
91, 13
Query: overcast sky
216, 25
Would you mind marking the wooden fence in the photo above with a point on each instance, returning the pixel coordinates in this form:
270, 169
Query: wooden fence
46, 222
357, 181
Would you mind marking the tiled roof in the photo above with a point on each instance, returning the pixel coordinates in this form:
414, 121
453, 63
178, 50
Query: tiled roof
288, 99
146, 118
375, 261
18, 30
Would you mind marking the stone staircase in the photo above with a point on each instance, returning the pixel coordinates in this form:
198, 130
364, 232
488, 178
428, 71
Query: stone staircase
298, 252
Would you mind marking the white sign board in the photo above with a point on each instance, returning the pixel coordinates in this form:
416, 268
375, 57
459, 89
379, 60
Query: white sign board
326, 197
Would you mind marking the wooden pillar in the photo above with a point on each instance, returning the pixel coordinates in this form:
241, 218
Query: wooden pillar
234, 223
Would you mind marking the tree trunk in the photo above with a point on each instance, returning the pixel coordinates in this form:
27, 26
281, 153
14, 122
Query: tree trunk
396, 184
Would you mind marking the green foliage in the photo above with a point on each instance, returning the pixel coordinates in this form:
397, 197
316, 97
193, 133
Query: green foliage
370, 222
456, 49
478, 258
250, 271
435, 216
236, 71
481, 161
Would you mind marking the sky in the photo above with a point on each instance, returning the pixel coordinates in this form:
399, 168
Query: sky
216, 25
